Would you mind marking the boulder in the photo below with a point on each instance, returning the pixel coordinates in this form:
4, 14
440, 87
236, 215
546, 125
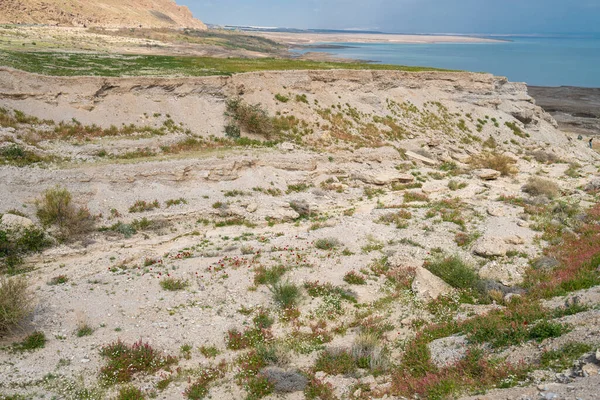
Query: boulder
448, 350
383, 178
524, 116
489, 246
427, 286
283, 214
252, 207
495, 211
13, 221
593, 185
487, 174
285, 381
418, 157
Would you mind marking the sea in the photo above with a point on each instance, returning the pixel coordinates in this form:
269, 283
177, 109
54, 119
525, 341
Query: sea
539, 60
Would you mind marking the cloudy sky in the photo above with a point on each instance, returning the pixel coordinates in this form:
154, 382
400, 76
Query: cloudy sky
410, 16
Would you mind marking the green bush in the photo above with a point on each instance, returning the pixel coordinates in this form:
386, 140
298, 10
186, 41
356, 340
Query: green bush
172, 284
286, 295
327, 243
130, 393
455, 272
252, 118
16, 302
562, 358
335, 362
55, 208
37, 340
17, 243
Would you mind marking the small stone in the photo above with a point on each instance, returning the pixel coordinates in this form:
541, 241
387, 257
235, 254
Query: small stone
589, 370
252, 207
597, 355
357, 393
487, 174
495, 211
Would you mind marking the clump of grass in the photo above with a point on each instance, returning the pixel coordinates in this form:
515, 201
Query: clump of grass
268, 276
209, 351
563, 358
286, 295
251, 337
175, 202
35, 341
516, 130
130, 393
354, 278
455, 185
368, 352
173, 284
143, 206
316, 289
200, 387
335, 362
281, 98
16, 302
410, 197
455, 272
499, 162
16, 155
541, 187
399, 218
59, 280
56, 208
296, 188
84, 330
124, 361
327, 243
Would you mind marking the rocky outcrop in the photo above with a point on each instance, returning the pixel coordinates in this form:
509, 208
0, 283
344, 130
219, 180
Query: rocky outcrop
103, 13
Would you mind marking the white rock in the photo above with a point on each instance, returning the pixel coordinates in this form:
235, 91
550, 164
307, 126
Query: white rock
514, 239
418, 157
589, 370
489, 246
252, 207
495, 211
427, 286
487, 174
15, 221
383, 178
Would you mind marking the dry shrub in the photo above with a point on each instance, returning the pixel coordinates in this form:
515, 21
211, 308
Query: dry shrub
56, 208
538, 186
16, 302
545, 157
499, 162
252, 118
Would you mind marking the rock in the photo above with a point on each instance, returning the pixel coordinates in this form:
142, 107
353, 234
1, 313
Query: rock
287, 146
285, 381
15, 221
495, 211
283, 214
597, 355
252, 207
320, 375
448, 350
427, 286
301, 207
423, 159
461, 157
593, 185
487, 174
589, 370
524, 116
383, 178
490, 246
514, 239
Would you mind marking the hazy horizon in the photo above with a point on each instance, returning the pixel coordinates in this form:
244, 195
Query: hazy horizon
408, 16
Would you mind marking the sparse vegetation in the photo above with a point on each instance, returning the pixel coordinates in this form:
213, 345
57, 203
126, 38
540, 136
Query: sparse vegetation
56, 208
327, 243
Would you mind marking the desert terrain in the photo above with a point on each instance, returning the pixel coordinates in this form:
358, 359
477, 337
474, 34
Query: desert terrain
190, 214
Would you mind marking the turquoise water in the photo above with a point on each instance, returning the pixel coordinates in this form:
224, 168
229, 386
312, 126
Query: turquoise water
542, 61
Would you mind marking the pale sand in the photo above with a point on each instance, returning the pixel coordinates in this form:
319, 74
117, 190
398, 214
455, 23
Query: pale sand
310, 38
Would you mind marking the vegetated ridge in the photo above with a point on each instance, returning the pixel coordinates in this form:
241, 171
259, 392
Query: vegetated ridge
106, 13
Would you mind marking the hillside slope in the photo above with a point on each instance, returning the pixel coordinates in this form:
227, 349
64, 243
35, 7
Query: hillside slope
107, 13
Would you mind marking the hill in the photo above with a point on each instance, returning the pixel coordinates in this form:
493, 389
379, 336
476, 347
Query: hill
106, 13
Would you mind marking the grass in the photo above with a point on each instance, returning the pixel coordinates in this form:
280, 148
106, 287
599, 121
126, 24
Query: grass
175, 202
399, 218
173, 284
327, 243
268, 276
35, 341
209, 351
563, 357
143, 206
286, 295
16, 302
410, 197
84, 330
125, 361
58, 280
86, 64
200, 387
56, 208
455, 272
354, 278
130, 393
15, 155
335, 362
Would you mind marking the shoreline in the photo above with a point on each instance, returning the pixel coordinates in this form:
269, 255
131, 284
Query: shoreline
294, 39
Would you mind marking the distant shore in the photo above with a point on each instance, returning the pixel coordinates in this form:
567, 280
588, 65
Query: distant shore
305, 38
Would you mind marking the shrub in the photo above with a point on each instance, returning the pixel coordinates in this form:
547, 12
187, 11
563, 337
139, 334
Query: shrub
37, 340
282, 98
232, 131
172, 284
175, 202
252, 118
268, 276
354, 278
56, 208
16, 302
125, 361
538, 186
142, 206
368, 353
209, 351
130, 393
545, 157
410, 197
286, 295
17, 243
499, 162
327, 243
335, 362
455, 185
399, 218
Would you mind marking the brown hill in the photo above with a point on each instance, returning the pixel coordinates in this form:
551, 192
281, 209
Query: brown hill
106, 13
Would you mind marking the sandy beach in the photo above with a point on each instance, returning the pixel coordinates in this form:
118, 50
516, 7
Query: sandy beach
309, 38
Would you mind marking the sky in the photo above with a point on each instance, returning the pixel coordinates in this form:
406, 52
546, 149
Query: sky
407, 16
